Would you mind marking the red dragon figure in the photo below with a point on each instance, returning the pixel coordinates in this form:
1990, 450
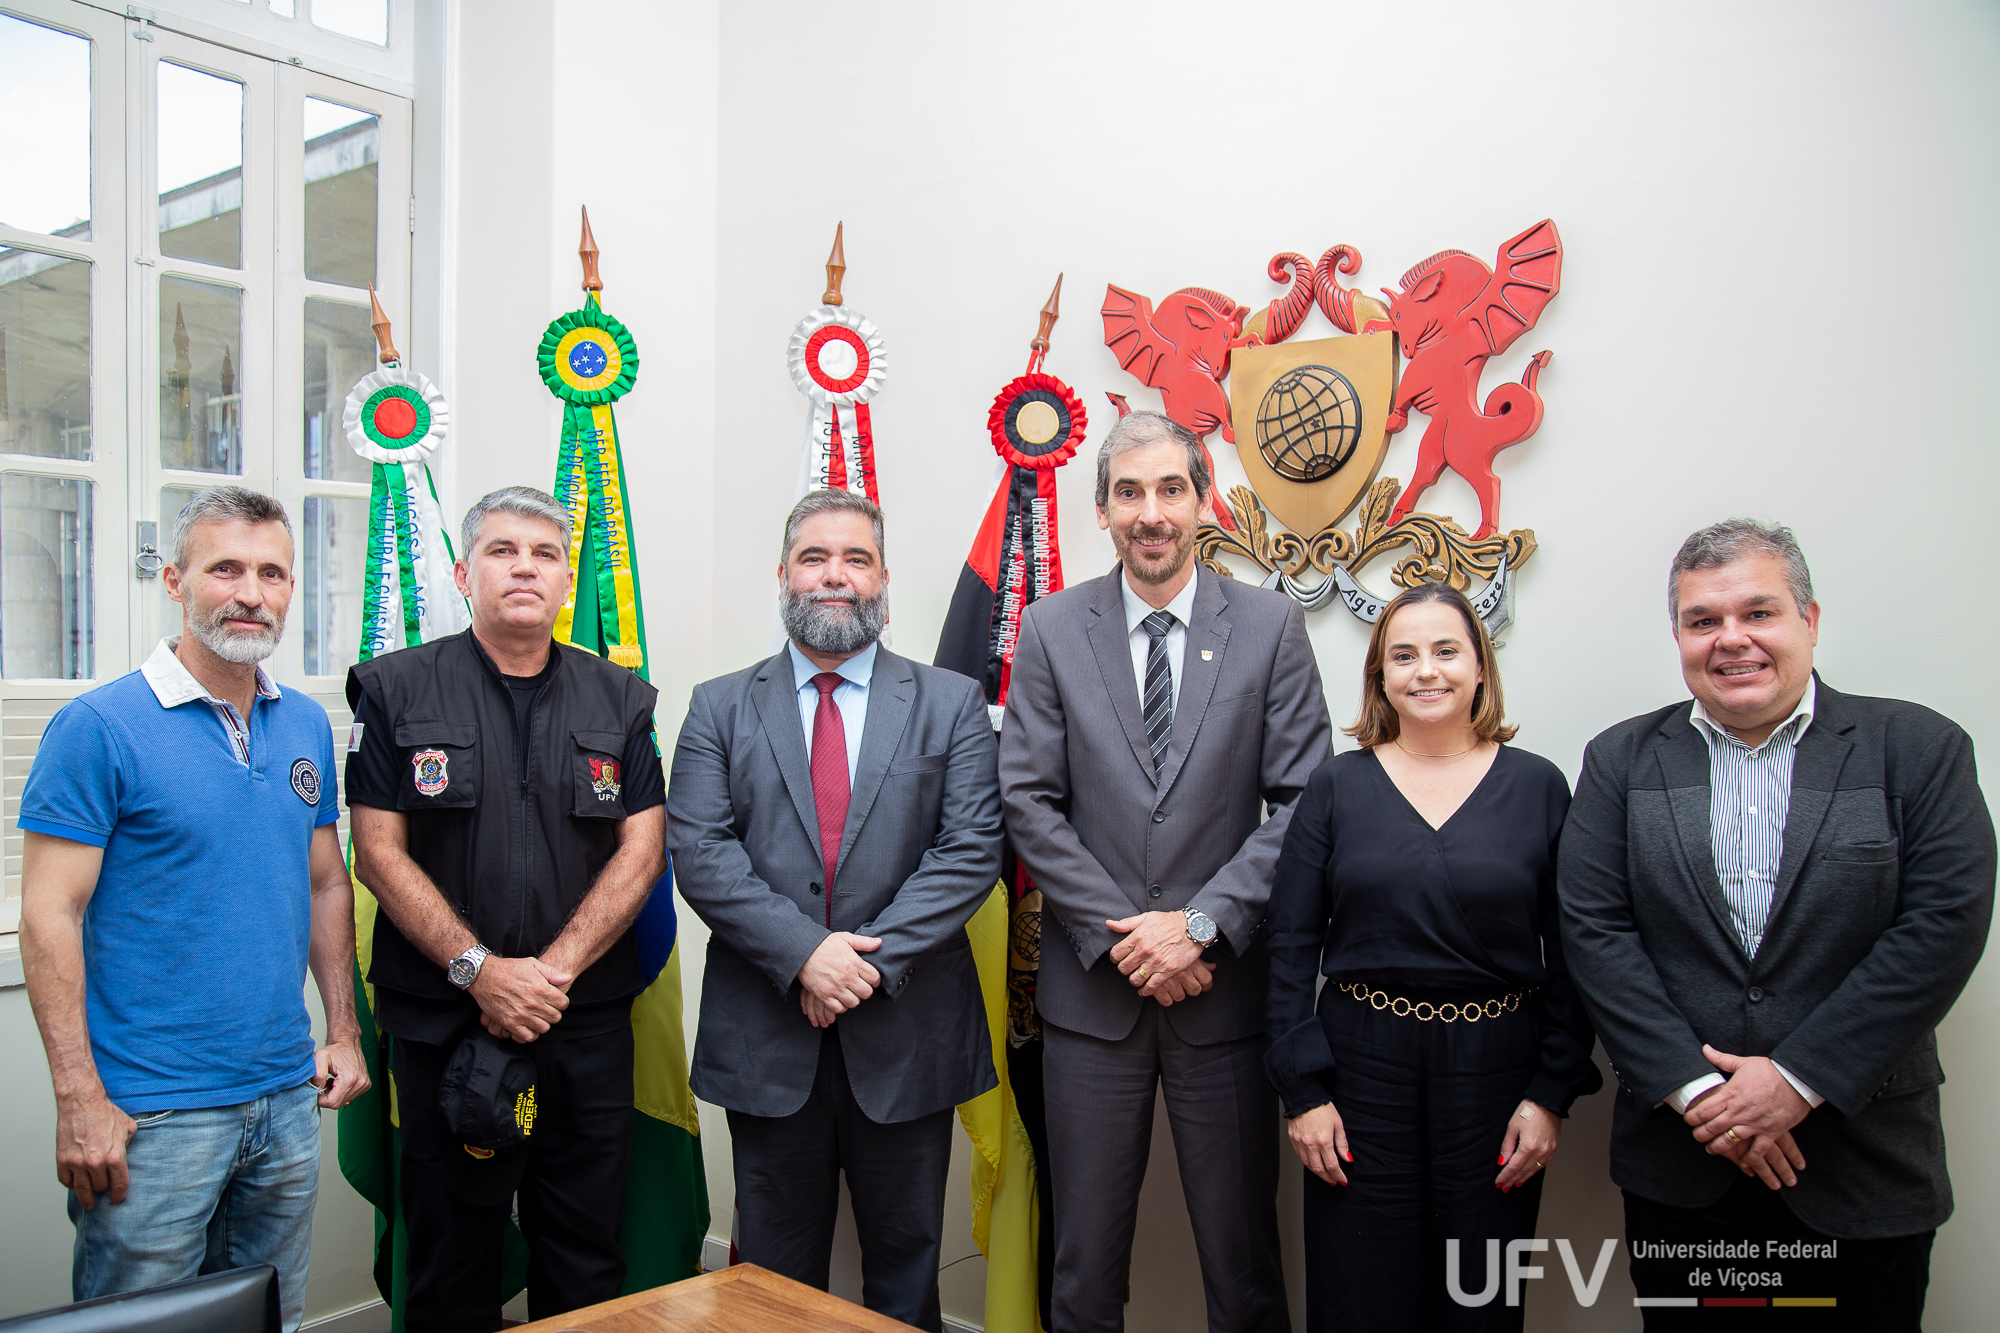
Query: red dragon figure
1182, 348
1451, 314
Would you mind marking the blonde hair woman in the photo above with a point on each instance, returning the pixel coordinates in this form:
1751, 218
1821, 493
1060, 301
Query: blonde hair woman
1425, 1089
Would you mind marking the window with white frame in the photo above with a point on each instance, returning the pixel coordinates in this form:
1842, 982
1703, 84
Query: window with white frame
190, 220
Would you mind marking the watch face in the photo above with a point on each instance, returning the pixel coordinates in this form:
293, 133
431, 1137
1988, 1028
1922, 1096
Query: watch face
461, 971
1201, 927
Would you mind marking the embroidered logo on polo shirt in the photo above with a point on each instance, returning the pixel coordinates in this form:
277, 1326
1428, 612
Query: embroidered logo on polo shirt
604, 779
305, 781
430, 766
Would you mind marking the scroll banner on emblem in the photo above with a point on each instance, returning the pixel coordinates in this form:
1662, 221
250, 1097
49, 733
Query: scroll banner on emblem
589, 361
395, 418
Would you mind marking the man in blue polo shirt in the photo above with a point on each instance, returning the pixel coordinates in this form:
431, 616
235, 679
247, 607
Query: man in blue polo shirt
181, 869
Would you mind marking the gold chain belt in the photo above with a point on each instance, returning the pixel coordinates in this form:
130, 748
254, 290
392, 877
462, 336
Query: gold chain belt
1402, 1006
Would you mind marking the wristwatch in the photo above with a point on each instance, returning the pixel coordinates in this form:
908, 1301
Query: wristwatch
463, 970
1201, 926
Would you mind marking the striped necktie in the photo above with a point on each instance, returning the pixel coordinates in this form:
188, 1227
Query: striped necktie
1157, 699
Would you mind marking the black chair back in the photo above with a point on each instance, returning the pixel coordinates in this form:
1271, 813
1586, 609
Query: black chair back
243, 1300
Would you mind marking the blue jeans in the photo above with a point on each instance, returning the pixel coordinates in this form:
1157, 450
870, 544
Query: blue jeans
213, 1189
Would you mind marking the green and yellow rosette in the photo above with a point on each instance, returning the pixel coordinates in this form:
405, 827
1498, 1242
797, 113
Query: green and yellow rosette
589, 361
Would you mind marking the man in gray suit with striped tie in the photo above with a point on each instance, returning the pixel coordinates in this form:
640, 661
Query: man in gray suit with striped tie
1771, 896
1154, 716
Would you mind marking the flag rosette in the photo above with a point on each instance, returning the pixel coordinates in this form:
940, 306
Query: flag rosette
588, 358
395, 416
839, 361
1037, 422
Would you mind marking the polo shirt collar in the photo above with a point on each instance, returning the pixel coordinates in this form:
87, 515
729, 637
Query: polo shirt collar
1137, 608
173, 684
1790, 729
859, 669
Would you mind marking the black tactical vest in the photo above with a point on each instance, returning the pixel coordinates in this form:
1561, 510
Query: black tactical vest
514, 858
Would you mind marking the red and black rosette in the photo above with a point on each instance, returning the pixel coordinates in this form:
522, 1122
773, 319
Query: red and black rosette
1037, 422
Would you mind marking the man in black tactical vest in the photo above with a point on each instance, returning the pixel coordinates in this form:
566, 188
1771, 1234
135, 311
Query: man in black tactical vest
508, 812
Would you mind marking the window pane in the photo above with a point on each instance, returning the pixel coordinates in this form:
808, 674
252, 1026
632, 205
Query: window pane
45, 567
365, 19
201, 413
44, 129
44, 355
285, 8
201, 166
171, 500
340, 349
342, 148
334, 546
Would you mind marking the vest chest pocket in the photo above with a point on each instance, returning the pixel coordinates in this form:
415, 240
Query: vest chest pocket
598, 763
440, 766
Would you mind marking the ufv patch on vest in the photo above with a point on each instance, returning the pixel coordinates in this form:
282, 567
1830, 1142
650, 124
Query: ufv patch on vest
305, 781
604, 779
431, 775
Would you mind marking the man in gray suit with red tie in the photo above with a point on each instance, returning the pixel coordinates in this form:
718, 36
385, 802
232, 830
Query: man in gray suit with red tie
1154, 716
834, 815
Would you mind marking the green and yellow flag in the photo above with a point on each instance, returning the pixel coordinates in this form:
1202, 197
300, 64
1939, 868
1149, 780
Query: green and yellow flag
588, 360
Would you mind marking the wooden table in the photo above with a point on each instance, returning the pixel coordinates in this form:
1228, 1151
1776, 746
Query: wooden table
742, 1299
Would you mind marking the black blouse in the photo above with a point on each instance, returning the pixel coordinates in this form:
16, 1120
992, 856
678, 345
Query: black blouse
1366, 890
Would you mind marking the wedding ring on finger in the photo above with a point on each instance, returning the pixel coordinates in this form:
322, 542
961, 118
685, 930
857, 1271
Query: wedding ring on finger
1730, 1134
1140, 976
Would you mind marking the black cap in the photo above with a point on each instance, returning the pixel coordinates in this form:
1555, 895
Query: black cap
488, 1101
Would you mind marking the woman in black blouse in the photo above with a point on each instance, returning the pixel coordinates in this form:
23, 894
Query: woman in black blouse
1425, 1089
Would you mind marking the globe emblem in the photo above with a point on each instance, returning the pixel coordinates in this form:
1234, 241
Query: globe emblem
587, 359
1308, 423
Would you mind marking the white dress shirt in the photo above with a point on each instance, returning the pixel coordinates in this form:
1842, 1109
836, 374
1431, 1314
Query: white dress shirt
850, 697
1136, 611
1750, 796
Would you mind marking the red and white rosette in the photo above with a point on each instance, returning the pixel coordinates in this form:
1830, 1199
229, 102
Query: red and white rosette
395, 416
838, 361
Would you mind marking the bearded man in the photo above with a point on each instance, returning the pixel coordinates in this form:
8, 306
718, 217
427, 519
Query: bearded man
180, 872
834, 814
1154, 717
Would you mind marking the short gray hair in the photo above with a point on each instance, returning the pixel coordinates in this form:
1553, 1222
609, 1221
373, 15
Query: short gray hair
223, 504
1135, 430
1724, 543
525, 501
831, 502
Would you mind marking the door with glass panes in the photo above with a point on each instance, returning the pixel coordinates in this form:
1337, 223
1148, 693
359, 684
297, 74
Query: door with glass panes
187, 238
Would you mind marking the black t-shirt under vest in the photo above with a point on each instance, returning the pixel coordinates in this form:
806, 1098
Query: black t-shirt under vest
513, 842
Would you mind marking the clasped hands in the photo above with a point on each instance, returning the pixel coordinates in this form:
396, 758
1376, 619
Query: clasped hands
520, 998
1749, 1119
1157, 956
836, 977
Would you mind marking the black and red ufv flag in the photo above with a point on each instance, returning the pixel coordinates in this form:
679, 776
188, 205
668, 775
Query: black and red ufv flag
1036, 424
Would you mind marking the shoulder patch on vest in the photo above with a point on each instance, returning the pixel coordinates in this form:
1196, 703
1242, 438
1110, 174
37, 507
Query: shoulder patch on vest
305, 781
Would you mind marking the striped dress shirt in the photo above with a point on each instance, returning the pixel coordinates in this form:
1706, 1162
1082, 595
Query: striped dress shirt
1750, 794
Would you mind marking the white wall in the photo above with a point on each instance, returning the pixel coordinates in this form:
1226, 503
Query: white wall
1777, 221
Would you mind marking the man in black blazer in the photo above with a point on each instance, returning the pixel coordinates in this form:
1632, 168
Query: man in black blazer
1771, 897
834, 815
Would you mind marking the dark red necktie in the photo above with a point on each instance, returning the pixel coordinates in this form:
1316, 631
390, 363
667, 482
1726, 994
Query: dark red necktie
829, 774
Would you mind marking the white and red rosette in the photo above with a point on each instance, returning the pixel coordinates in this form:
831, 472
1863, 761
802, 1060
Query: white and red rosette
395, 416
839, 362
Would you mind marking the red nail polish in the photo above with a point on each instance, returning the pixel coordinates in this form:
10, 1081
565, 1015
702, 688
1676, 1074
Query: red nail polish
1503, 1159
1350, 1156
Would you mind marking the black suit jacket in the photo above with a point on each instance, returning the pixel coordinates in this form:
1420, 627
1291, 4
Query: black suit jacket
1884, 895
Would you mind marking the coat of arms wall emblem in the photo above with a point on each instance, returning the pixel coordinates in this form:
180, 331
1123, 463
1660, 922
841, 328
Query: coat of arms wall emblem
1313, 420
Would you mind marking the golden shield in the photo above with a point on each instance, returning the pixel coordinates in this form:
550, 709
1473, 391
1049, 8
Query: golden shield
1308, 418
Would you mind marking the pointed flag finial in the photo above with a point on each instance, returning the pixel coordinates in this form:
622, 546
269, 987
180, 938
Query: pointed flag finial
1050, 314
586, 250
836, 267
390, 356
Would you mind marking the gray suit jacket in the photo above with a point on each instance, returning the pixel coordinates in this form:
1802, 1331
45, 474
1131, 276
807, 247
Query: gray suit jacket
1884, 895
1103, 839
920, 853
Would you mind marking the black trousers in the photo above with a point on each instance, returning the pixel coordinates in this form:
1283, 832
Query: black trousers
571, 1200
1426, 1107
1879, 1285
788, 1171
1224, 1116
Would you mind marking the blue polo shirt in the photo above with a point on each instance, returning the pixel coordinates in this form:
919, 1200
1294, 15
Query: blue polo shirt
195, 941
